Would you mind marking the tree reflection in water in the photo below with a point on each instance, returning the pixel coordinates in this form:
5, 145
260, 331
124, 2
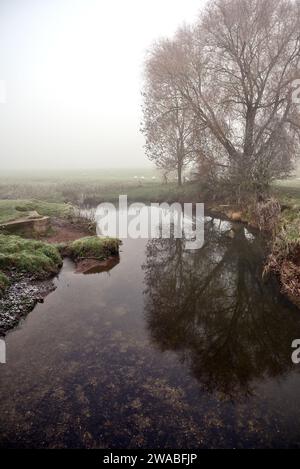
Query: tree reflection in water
212, 307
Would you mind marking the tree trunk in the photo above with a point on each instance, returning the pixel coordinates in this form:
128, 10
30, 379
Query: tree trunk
179, 175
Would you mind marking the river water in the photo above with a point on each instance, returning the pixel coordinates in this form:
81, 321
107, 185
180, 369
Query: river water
169, 349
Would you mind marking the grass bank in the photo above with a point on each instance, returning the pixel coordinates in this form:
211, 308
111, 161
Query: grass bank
41, 260
21, 257
28, 256
92, 247
284, 257
18, 208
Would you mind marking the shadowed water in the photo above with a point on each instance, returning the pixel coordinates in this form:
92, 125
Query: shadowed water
170, 348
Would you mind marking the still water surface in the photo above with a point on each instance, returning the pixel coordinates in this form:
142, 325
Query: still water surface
170, 348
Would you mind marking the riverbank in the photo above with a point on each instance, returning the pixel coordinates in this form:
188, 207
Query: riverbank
20, 297
284, 257
279, 223
28, 266
278, 219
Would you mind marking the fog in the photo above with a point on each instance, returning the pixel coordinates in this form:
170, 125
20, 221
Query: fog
71, 78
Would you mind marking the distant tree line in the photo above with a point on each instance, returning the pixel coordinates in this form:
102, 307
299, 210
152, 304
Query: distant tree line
218, 96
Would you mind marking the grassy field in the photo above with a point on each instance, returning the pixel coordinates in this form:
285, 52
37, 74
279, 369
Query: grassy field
77, 186
91, 187
46, 192
14, 209
288, 192
74, 175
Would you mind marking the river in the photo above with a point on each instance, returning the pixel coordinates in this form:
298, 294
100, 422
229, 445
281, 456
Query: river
169, 349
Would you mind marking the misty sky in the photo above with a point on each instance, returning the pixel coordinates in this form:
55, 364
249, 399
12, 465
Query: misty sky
72, 72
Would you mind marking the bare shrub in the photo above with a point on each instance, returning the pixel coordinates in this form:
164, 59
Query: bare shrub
267, 214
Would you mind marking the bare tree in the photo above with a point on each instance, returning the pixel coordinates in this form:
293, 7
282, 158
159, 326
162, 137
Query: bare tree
169, 122
234, 70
